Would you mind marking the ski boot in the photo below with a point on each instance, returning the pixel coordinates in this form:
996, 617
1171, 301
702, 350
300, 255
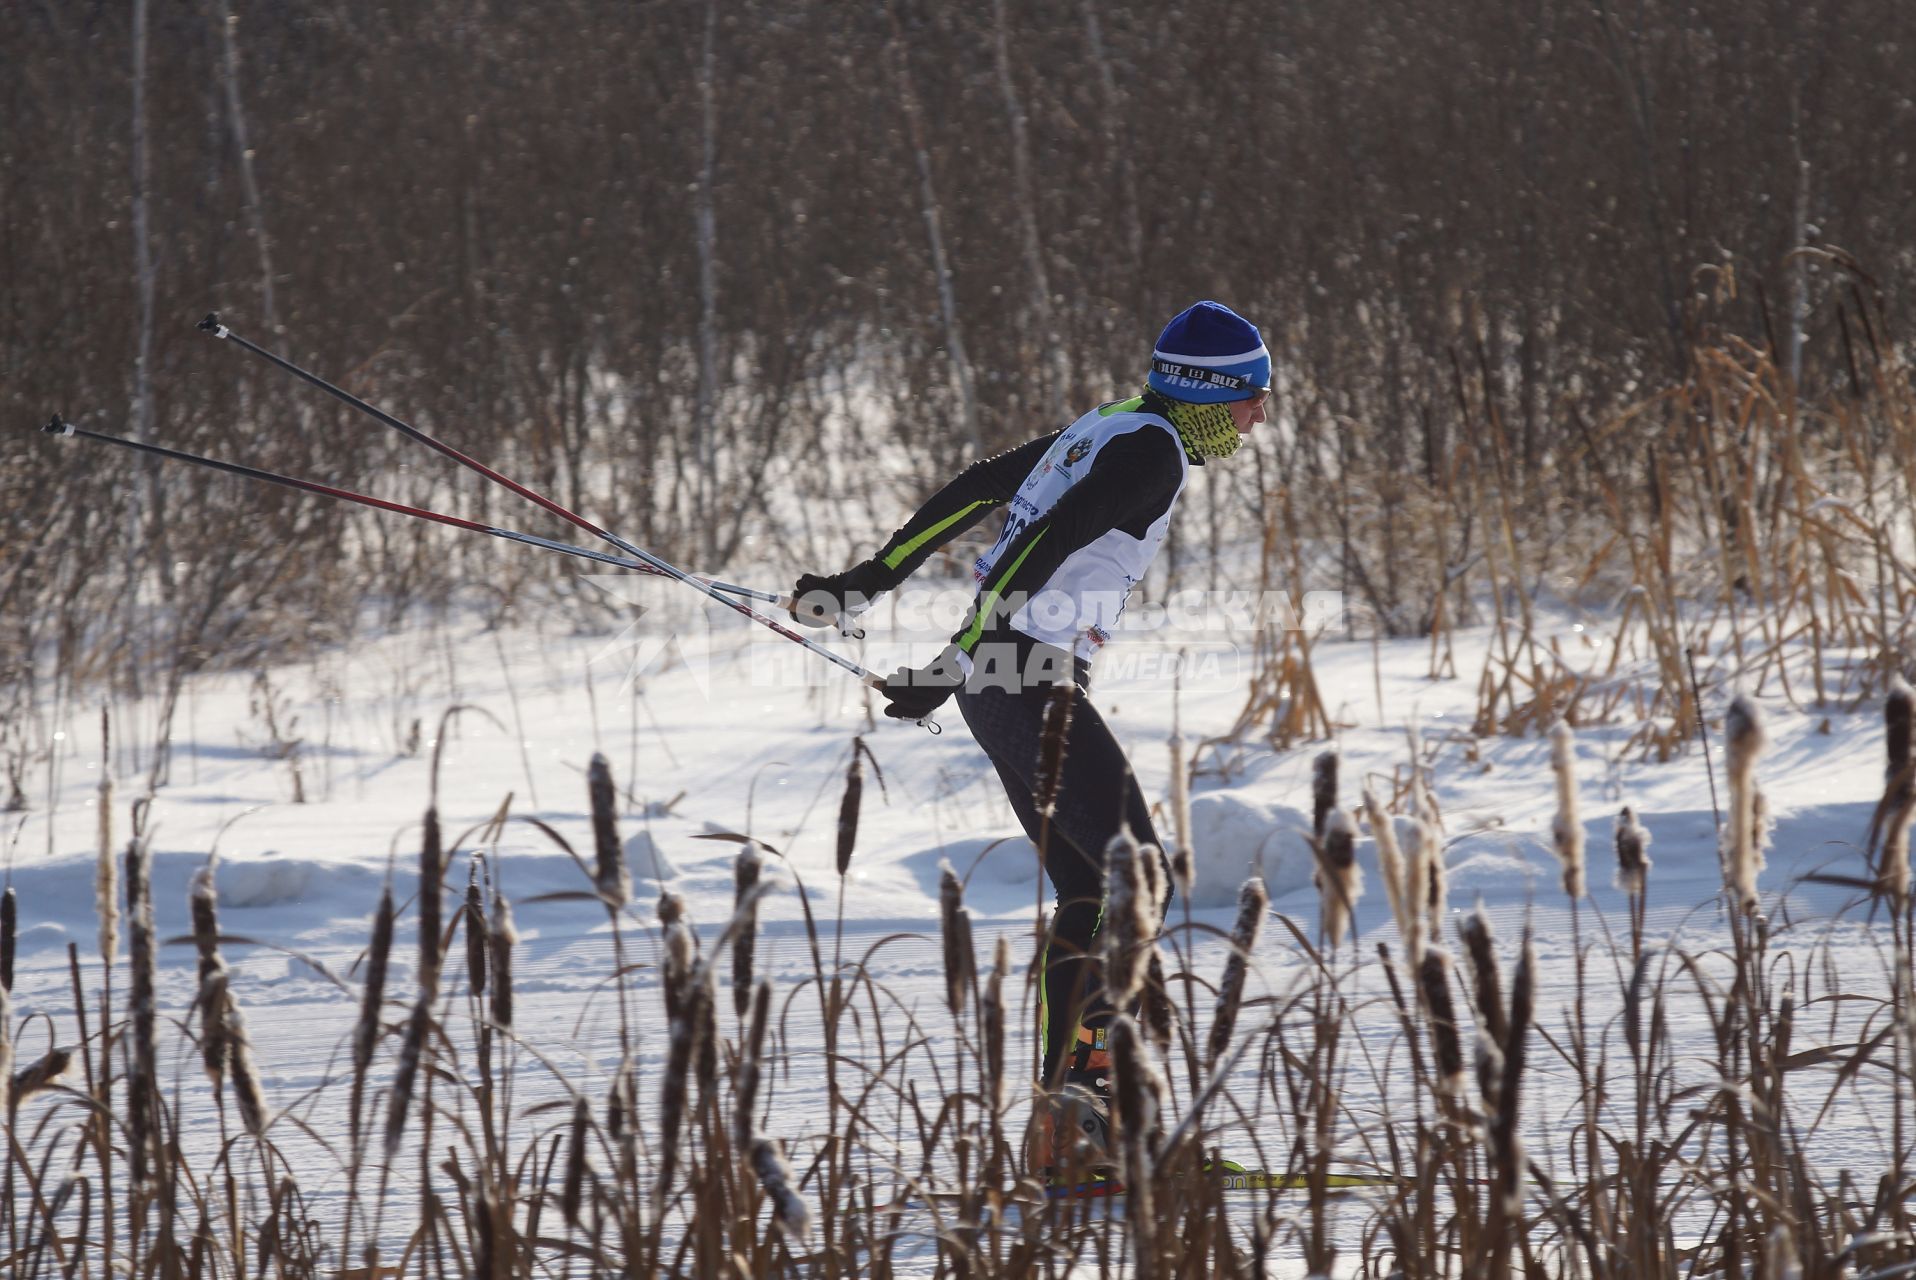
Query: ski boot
1074, 1138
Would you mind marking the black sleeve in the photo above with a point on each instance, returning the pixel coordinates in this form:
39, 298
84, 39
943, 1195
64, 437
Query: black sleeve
1133, 481
978, 489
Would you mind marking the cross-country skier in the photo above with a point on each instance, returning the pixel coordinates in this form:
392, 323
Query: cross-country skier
1086, 509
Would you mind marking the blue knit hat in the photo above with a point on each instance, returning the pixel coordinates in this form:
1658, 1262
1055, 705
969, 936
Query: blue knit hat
1210, 353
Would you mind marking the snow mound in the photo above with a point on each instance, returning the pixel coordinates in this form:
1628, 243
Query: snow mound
1233, 837
646, 860
266, 883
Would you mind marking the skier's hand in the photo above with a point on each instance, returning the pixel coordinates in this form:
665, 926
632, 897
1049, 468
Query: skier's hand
820, 600
912, 693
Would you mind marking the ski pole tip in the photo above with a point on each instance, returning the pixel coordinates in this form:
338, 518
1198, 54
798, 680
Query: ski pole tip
58, 426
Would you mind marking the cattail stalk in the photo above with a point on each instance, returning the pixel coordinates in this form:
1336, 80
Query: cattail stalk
687, 1024
1323, 791
1139, 1089
36, 1076
751, 1068
1566, 829
213, 994
1339, 880
1446, 1044
1430, 835
1390, 863
142, 1083
432, 872
994, 1019
371, 1002
9, 935
955, 931
1633, 858
614, 878
572, 1192
1251, 903
504, 937
478, 936
106, 888
1130, 916
849, 805
745, 937
406, 1076
6, 1055
1742, 835
775, 1175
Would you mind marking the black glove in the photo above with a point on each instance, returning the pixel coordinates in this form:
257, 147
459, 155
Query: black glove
818, 600
912, 693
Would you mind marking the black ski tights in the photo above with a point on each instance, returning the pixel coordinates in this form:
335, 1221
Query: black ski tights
1097, 796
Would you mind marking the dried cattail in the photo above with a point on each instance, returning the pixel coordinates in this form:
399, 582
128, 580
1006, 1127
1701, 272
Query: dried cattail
1390, 861
40, 1074
708, 1037
1251, 903
751, 1068
1742, 840
246, 1083
406, 1076
681, 952
9, 935
1058, 706
432, 873
1339, 880
1566, 829
1430, 834
686, 1022
848, 807
478, 939
6, 1054
788, 1208
745, 936
1138, 1090
1416, 890
955, 930
144, 1136
1323, 790
1184, 870
371, 1001
106, 891
671, 908
1506, 1148
1157, 1013
504, 937
613, 877
1633, 857
1130, 917
1433, 974
1899, 792
1180, 809
203, 906
994, 1019
572, 1191
1486, 979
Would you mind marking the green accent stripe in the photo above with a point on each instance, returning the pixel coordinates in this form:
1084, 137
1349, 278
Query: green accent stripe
904, 551
989, 600
1121, 406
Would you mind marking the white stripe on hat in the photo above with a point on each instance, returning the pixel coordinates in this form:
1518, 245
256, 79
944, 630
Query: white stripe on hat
1212, 362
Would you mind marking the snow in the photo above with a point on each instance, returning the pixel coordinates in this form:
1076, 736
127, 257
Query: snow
713, 736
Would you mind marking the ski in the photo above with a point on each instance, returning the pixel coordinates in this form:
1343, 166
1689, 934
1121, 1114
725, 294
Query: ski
1227, 1176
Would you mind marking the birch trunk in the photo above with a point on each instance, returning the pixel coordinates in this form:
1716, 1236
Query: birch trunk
704, 417
249, 184
1050, 363
934, 232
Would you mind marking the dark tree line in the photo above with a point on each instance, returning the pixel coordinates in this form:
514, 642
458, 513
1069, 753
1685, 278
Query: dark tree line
640, 252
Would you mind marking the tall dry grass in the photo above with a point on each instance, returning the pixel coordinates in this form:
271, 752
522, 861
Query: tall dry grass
1438, 1083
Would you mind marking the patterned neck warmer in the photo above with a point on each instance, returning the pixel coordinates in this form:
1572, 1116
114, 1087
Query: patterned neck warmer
1206, 429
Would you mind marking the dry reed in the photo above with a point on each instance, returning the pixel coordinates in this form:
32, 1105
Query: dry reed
9, 935
1130, 916
432, 874
1633, 857
745, 909
1058, 706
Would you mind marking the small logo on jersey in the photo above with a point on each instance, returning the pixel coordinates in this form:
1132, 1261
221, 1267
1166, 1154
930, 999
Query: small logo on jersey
1076, 453
979, 568
1097, 636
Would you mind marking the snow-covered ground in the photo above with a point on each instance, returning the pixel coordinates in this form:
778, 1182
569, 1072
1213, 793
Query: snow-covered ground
730, 729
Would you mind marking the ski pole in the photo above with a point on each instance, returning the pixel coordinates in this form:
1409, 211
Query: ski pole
60, 427
211, 324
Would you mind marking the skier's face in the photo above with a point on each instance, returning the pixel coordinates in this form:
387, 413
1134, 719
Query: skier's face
1248, 413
